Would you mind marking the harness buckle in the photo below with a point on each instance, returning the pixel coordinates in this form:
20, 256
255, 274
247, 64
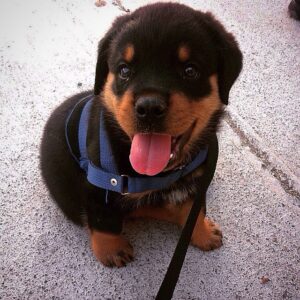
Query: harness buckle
124, 188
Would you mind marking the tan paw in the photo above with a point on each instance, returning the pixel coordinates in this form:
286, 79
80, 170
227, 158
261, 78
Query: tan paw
112, 250
207, 235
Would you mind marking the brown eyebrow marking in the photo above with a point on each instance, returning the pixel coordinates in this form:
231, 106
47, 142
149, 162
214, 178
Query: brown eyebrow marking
183, 53
128, 53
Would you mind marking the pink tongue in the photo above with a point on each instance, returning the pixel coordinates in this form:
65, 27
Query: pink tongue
150, 153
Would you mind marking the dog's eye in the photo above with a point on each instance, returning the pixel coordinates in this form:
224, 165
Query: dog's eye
191, 71
124, 72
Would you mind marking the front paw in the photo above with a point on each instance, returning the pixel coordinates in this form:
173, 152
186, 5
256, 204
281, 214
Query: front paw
112, 250
207, 235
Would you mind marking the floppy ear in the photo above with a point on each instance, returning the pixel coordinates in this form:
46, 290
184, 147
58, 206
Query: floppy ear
229, 57
103, 51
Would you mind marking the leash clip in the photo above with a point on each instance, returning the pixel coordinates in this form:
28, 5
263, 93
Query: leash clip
124, 187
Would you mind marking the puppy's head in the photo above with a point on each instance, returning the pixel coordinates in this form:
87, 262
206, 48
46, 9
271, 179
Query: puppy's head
164, 72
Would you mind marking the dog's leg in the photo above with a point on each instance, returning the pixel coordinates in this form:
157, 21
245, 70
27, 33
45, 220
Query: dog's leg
111, 249
206, 234
105, 226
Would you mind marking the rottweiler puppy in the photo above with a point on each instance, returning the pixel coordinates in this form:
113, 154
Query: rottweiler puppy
163, 76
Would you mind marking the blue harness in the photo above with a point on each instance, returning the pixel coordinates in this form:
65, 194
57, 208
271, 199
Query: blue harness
107, 176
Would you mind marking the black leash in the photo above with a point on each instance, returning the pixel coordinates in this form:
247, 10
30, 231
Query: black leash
168, 285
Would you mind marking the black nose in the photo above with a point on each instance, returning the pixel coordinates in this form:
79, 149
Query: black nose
150, 108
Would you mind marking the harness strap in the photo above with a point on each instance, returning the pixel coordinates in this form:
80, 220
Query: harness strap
106, 156
67, 126
82, 135
106, 176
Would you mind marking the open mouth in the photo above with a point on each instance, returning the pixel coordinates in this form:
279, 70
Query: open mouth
178, 142
151, 152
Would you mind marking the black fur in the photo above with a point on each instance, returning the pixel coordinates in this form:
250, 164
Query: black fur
158, 30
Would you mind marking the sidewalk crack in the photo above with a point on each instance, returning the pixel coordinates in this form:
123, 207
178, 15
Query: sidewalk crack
119, 4
270, 161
